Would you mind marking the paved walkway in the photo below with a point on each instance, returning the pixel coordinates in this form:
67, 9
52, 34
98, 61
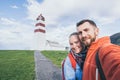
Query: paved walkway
44, 68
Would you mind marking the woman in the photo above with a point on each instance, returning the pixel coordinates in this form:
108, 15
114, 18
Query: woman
73, 64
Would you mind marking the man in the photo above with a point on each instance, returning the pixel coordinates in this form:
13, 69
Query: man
109, 53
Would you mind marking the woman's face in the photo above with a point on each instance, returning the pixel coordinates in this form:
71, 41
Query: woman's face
75, 43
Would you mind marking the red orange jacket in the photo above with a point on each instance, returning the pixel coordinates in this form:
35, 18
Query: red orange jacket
109, 55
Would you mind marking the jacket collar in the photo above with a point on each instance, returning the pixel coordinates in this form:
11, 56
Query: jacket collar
99, 42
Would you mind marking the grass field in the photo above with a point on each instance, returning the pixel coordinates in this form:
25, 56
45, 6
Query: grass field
55, 56
17, 65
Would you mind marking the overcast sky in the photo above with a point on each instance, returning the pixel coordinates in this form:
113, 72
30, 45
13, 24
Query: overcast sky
18, 17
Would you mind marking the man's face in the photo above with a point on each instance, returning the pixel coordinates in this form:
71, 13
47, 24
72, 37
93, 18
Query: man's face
87, 33
75, 43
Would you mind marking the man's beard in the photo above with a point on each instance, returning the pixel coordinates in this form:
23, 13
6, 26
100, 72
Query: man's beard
87, 44
91, 40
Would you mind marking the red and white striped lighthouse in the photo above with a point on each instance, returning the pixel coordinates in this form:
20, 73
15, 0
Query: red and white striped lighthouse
40, 33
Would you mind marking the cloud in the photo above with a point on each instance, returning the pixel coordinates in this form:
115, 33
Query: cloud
16, 34
60, 34
53, 10
105, 12
61, 16
14, 6
6, 21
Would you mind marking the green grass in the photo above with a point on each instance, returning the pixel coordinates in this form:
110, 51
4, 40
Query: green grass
55, 56
17, 65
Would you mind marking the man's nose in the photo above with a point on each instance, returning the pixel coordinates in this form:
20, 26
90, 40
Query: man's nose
83, 34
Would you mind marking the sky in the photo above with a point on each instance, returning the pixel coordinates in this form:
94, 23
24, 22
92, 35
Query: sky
18, 19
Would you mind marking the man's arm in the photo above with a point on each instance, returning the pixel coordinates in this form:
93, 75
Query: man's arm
110, 61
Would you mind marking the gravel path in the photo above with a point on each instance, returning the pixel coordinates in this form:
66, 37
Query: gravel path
44, 68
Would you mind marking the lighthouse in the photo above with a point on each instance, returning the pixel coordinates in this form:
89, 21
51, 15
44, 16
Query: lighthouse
39, 33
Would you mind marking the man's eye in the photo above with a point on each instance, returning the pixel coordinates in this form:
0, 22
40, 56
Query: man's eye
86, 30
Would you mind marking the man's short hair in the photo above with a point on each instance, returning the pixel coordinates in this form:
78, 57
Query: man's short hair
86, 20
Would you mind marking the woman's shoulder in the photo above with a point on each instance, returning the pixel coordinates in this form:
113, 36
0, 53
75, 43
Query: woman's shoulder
67, 59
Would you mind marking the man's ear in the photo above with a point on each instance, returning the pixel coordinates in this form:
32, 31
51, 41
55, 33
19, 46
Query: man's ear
96, 31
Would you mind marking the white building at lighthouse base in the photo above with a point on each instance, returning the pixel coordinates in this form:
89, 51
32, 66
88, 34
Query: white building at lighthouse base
40, 41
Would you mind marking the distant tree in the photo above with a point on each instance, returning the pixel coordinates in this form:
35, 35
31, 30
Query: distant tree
67, 48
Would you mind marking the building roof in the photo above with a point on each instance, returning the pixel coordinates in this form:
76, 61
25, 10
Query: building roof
53, 43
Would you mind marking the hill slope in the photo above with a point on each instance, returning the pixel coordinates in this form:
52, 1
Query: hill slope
115, 38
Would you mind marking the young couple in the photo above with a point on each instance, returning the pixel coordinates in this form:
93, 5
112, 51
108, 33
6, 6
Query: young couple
80, 64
